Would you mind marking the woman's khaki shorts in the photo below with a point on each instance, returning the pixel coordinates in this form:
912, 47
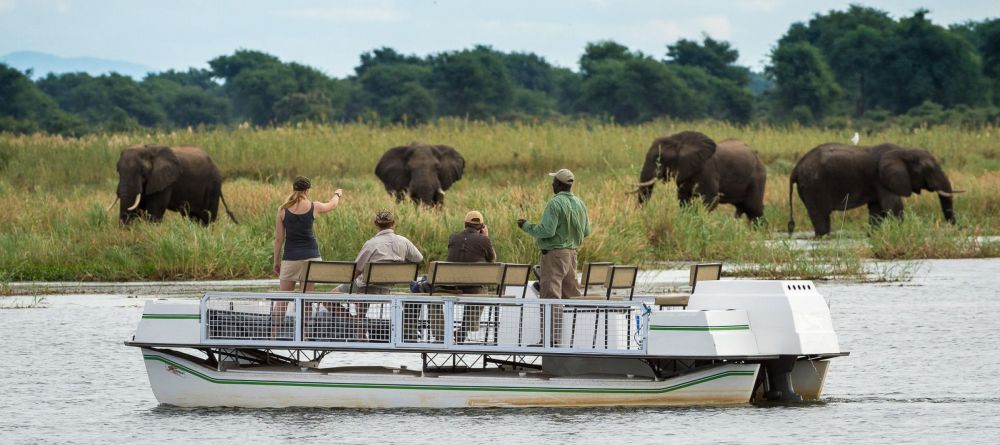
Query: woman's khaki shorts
294, 270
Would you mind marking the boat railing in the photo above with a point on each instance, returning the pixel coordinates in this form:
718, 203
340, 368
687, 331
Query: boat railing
423, 323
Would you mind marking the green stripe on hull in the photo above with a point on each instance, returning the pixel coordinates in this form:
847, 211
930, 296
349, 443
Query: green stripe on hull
171, 317
738, 327
451, 388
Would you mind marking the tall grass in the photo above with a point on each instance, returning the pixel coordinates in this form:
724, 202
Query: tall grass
53, 191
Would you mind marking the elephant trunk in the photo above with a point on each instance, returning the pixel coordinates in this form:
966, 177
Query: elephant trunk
946, 197
129, 197
647, 179
425, 189
947, 206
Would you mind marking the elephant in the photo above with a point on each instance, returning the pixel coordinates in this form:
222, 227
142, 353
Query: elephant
841, 177
728, 172
154, 178
422, 170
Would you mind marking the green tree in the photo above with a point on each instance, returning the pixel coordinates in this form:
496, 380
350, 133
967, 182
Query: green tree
24, 108
256, 82
108, 102
852, 58
391, 87
185, 101
716, 57
606, 50
985, 37
926, 62
802, 80
634, 90
473, 83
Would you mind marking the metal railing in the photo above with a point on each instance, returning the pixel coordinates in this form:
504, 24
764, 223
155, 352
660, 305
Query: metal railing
430, 323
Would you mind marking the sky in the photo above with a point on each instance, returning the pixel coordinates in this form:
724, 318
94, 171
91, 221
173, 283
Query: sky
331, 35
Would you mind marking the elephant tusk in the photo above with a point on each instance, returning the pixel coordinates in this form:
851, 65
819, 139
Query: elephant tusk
138, 197
440, 191
112, 204
951, 193
647, 183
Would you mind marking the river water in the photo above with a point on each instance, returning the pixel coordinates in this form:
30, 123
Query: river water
923, 369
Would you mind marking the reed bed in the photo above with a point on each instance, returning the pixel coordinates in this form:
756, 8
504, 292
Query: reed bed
54, 190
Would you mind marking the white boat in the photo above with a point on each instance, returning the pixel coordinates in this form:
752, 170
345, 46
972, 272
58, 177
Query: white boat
737, 342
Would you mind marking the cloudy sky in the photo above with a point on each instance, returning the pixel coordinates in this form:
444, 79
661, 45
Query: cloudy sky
330, 35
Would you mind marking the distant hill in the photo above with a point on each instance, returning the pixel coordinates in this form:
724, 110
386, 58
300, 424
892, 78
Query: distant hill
44, 63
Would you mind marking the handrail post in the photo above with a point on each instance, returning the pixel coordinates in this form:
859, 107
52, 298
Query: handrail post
449, 323
396, 321
203, 321
299, 318
547, 322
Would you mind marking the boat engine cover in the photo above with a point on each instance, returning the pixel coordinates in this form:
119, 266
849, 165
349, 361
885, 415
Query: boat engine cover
786, 317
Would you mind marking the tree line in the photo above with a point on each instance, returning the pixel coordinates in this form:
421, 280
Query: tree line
857, 67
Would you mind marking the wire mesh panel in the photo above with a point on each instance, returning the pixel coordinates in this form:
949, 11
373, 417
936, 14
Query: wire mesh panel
250, 319
347, 320
423, 322
476, 323
596, 326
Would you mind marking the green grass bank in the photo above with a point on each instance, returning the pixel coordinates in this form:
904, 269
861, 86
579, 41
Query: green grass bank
54, 191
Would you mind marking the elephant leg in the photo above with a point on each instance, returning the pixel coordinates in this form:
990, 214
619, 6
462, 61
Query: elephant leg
875, 214
891, 204
820, 220
202, 216
739, 211
211, 212
400, 195
156, 205
708, 188
685, 192
754, 214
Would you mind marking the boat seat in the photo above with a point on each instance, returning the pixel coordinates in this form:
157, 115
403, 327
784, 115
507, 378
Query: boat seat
388, 274
514, 275
704, 272
679, 300
621, 277
594, 274
329, 272
445, 273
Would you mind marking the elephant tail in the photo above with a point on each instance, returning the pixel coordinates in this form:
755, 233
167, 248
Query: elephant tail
226, 206
792, 179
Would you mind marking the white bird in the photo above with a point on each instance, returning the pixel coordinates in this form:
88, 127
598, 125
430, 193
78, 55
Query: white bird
856, 138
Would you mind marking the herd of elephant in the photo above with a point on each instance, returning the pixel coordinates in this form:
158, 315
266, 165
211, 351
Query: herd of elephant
154, 178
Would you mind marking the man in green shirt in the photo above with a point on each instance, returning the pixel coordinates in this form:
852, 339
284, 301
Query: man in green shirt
564, 225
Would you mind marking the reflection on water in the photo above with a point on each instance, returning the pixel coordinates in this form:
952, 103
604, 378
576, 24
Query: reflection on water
922, 369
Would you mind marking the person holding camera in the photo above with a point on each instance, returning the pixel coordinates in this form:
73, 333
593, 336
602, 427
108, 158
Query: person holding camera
470, 245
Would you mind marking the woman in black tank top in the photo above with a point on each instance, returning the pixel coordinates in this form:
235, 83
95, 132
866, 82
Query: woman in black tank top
294, 239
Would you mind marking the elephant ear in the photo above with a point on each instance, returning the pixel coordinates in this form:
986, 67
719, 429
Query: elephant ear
451, 164
694, 149
894, 173
166, 168
391, 169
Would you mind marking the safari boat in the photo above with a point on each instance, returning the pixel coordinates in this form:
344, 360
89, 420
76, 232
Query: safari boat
731, 342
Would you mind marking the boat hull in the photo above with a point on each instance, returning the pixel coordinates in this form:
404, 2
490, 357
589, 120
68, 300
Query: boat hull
180, 382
